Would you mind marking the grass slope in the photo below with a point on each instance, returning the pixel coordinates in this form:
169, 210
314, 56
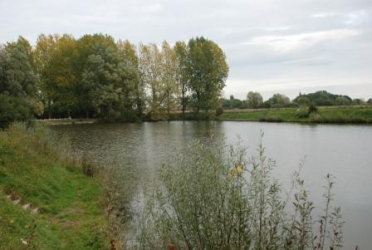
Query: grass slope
324, 115
70, 204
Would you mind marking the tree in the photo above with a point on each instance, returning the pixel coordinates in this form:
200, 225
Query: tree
130, 63
13, 109
302, 101
323, 98
181, 74
279, 101
369, 101
207, 71
151, 74
104, 77
342, 100
17, 77
62, 75
18, 83
45, 47
169, 76
254, 99
358, 101
89, 49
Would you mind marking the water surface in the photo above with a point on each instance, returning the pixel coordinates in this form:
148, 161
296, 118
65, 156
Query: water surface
344, 151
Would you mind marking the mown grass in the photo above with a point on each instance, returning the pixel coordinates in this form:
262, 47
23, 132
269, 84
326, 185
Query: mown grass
324, 115
70, 204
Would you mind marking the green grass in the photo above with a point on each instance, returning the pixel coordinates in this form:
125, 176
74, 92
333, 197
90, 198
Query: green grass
324, 115
71, 204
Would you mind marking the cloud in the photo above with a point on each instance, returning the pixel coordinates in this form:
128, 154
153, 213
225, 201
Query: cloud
269, 44
294, 43
323, 15
358, 18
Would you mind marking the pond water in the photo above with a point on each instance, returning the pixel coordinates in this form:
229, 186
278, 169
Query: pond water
342, 150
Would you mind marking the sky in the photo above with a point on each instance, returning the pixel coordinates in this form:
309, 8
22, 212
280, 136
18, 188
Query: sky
271, 46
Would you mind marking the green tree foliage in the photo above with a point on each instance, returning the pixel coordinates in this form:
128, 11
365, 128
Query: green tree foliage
169, 76
342, 101
279, 101
151, 72
54, 57
207, 71
13, 109
358, 101
130, 61
45, 47
18, 82
181, 51
95, 76
302, 101
369, 101
111, 75
17, 77
323, 98
94, 52
234, 103
254, 99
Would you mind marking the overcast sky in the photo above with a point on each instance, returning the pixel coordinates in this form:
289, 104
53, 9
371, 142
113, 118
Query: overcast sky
272, 46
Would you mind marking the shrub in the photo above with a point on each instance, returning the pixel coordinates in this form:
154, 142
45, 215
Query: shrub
13, 109
312, 108
219, 111
212, 202
302, 112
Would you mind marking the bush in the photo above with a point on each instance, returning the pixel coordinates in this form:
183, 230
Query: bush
312, 108
302, 112
219, 111
13, 109
209, 202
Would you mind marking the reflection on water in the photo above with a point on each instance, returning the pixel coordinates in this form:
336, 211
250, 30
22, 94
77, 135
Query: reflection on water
344, 151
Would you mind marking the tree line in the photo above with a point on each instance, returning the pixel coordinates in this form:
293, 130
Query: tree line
96, 76
254, 100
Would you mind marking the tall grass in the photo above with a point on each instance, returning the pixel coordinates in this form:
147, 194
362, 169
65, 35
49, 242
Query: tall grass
213, 202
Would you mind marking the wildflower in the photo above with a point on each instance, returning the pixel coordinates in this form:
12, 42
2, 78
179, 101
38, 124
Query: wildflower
239, 169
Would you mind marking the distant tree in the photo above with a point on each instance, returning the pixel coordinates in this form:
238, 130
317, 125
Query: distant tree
302, 101
226, 104
369, 101
207, 71
323, 98
358, 101
235, 103
254, 99
279, 101
342, 101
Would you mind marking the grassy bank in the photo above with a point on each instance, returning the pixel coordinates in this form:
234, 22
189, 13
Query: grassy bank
352, 115
46, 202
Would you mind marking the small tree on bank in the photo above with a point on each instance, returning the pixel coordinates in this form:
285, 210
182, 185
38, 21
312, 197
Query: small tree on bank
213, 202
